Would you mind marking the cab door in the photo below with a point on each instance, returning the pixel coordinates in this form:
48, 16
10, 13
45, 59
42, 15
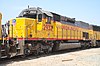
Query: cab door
48, 26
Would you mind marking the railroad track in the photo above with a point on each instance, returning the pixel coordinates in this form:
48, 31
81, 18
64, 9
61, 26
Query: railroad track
30, 57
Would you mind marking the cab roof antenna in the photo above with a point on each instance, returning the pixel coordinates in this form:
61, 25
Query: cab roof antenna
28, 6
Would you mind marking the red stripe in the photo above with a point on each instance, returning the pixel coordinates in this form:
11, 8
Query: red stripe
29, 39
46, 39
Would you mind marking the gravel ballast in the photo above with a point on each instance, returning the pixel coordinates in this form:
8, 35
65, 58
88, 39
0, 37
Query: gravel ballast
88, 57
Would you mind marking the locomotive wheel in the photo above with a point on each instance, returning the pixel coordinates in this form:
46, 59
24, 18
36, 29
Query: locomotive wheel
97, 44
37, 51
26, 51
46, 51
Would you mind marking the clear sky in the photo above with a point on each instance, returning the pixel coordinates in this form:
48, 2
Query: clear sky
84, 10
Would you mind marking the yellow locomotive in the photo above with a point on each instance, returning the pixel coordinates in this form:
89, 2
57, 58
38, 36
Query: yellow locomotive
35, 31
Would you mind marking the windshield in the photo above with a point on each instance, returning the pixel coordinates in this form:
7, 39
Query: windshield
30, 16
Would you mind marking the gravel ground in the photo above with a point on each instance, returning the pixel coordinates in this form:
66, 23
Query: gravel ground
89, 57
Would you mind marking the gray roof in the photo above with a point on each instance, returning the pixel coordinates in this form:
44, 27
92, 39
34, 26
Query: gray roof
82, 24
36, 9
47, 13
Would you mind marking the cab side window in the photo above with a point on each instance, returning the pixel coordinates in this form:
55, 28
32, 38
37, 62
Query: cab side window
48, 20
39, 17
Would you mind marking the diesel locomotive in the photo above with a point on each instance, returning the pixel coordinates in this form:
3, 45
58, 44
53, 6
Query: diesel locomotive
37, 31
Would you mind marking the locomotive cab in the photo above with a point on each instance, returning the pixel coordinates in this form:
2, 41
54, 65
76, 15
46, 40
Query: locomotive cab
43, 20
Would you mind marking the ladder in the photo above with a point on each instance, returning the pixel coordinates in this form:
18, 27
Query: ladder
3, 52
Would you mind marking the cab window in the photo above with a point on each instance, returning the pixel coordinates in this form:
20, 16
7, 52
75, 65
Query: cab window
30, 16
39, 17
48, 19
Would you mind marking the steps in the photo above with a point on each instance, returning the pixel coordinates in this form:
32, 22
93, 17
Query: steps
17, 48
3, 56
3, 53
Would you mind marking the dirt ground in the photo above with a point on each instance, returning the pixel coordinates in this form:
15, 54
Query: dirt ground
88, 57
